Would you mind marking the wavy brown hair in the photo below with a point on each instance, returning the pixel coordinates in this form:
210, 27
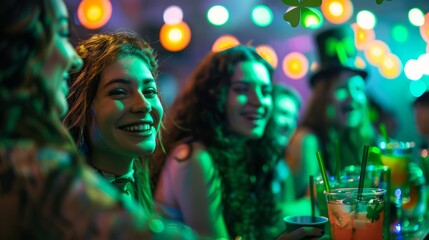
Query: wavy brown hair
27, 106
198, 114
99, 52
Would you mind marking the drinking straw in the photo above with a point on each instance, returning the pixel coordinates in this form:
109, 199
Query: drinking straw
383, 132
337, 160
323, 171
363, 171
313, 216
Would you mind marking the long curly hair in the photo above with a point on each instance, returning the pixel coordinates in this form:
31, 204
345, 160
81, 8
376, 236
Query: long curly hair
334, 140
27, 106
99, 52
198, 114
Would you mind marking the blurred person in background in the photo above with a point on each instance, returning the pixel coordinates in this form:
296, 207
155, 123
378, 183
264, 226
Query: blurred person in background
283, 123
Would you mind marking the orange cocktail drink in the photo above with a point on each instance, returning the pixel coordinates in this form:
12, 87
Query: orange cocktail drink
352, 217
398, 156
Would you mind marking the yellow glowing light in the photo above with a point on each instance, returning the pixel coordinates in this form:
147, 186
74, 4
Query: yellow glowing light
362, 36
337, 11
268, 54
94, 14
375, 52
224, 42
175, 37
390, 66
295, 65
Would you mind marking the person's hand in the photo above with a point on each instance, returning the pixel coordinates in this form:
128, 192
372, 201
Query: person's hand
301, 233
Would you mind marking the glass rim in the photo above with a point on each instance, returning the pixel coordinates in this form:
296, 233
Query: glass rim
353, 191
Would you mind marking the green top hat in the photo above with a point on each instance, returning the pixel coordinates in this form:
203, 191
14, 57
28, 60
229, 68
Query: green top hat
337, 52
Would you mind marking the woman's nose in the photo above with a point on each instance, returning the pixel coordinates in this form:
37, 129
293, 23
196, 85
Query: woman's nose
77, 63
141, 104
256, 98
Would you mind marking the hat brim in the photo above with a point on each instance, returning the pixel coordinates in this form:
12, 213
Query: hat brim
329, 71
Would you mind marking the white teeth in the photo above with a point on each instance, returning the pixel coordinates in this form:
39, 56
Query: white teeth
137, 128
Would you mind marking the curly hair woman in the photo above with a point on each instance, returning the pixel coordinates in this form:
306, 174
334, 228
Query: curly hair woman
219, 169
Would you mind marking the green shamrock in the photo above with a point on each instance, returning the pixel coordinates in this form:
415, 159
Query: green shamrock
301, 9
374, 213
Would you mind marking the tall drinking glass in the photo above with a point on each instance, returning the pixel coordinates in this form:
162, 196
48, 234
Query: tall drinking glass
354, 217
398, 156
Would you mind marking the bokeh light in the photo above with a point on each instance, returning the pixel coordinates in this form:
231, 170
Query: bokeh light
224, 42
218, 15
423, 61
412, 70
424, 29
366, 19
312, 20
337, 11
416, 17
375, 52
94, 14
262, 16
175, 37
417, 88
295, 65
400, 33
362, 36
173, 15
269, 54
390, 66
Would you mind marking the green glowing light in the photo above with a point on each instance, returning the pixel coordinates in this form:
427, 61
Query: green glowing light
262, 16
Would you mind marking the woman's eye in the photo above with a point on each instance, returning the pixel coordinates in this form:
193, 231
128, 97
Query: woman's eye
240, 90
150, 92
117, 92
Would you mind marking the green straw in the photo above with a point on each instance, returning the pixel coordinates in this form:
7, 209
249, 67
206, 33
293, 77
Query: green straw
383, 131
313, 215
323, 171
362, 171
337, 160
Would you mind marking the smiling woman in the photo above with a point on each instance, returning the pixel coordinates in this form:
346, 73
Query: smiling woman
219, 169
115, 111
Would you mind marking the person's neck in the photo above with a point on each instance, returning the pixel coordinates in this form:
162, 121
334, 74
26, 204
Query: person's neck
111, 163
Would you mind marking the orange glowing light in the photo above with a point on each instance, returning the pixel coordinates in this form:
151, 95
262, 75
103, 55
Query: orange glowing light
375, 52
94, 14
362, 36
424, 29
175, 37
268, 54
390, 66
295, 65
224, 42
337, 11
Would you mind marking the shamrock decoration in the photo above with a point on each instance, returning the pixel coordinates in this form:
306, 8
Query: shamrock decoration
374, 213
301, 9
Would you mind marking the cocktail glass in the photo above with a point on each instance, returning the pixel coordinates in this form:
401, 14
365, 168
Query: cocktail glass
356, 217
398, 156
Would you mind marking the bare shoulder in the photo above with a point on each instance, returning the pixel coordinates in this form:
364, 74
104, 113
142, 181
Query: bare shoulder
193, 158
